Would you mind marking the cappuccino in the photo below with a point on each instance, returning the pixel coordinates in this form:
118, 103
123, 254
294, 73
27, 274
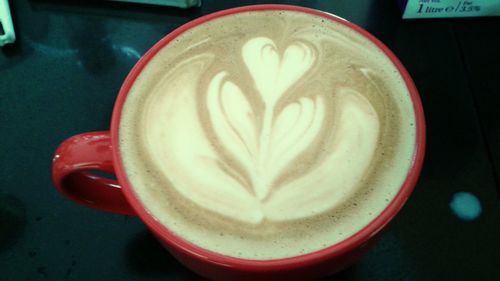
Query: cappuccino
267, 134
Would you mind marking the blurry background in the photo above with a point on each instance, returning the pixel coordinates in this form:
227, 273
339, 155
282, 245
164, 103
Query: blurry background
61, 78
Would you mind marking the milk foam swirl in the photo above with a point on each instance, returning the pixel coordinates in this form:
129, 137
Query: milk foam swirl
238, 173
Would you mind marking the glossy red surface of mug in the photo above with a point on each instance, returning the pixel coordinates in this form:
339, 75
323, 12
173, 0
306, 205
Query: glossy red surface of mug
78, 157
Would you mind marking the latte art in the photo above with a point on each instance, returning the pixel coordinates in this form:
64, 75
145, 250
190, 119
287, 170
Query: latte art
260, 146
265, 142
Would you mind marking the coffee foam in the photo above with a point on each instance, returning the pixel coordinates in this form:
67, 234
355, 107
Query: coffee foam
289, 145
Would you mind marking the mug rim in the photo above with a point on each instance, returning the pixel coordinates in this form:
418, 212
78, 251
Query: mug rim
354, 241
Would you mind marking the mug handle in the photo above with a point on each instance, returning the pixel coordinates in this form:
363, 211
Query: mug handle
74, 168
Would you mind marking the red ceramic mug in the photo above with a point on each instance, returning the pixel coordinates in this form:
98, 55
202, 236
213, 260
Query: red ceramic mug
77, 158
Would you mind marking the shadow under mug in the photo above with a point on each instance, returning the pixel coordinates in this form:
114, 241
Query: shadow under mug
78, 157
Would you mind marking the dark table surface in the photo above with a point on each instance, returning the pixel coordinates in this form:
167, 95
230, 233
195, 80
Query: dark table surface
62, 76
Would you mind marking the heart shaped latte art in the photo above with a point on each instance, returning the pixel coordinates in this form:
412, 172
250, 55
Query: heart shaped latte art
264, 144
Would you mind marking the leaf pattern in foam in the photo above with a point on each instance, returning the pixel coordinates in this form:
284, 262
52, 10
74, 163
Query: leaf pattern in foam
232, 119
284, 135
338, 176
193, 166
293, 132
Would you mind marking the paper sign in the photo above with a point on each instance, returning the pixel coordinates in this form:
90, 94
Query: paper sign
449, 8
